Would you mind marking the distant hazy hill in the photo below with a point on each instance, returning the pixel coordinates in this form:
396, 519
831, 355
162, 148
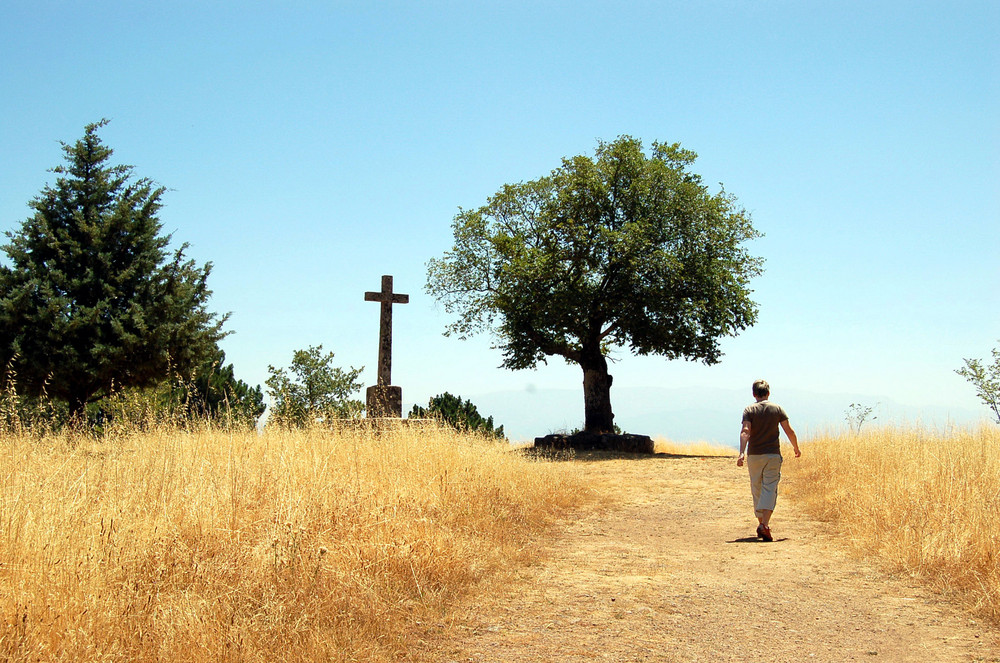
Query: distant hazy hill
699, 413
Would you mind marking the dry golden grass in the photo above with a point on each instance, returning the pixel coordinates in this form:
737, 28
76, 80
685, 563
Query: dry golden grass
207, 545
664, 446
925, 504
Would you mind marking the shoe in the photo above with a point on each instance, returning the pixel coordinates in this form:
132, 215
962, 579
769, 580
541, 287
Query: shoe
760, 531
765, 533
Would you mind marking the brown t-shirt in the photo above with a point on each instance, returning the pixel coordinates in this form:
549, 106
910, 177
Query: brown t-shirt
764, 418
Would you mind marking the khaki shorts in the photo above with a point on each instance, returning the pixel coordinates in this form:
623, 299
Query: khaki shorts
765, 472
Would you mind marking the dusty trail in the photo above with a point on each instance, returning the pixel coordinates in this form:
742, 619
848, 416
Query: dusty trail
674, 573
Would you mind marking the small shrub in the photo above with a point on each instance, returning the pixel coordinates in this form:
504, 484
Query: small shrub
460, 415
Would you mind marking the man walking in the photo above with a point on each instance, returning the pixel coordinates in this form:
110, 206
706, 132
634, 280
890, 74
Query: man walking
760, 449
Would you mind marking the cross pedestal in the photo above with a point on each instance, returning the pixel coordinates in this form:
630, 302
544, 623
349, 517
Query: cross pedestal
384, 400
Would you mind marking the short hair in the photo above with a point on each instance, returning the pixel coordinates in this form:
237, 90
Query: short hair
761, 388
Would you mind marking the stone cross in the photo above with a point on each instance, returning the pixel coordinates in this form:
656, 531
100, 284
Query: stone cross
385, 400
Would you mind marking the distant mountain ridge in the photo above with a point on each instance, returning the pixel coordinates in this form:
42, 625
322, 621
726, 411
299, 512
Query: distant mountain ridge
701, 413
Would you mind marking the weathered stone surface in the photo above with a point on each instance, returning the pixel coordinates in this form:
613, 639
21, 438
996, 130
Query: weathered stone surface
384, 401
593, 441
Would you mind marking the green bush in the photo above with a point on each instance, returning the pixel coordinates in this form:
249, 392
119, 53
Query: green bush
460, 414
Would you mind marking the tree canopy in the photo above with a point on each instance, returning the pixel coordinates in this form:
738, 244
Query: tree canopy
459, 414
986, 379
92, 300
316, 390
622, 250
214, 392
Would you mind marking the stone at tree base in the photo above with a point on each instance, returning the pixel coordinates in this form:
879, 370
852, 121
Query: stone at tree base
642, 444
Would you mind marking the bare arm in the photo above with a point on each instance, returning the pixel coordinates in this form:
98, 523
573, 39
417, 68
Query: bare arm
787, 427
744, 438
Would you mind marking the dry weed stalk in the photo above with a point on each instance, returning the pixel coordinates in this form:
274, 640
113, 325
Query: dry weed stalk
926, 504
214, 545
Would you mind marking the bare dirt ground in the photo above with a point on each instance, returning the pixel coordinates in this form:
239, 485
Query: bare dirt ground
672, 571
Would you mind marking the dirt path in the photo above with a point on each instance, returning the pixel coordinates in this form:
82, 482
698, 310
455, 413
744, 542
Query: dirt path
674, 573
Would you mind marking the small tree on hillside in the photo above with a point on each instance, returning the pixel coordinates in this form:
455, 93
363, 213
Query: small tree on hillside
986, 379
459, 414
621, 250
92, 301
857, 414
315, 391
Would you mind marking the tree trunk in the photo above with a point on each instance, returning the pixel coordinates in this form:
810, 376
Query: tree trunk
598, 417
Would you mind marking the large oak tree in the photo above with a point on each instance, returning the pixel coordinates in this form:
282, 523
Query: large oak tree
92, 300
622, 250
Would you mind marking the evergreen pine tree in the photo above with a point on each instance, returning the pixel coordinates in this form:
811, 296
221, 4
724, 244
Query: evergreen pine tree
459, 414
216, 393
92, 300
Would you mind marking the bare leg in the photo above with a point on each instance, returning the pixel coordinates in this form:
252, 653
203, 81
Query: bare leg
765, 517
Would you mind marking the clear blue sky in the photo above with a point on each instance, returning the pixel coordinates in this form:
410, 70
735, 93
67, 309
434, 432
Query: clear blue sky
310, 147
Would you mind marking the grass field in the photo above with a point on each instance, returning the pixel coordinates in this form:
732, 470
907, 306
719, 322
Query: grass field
203, 544
665, 446
208, 545
924, 504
